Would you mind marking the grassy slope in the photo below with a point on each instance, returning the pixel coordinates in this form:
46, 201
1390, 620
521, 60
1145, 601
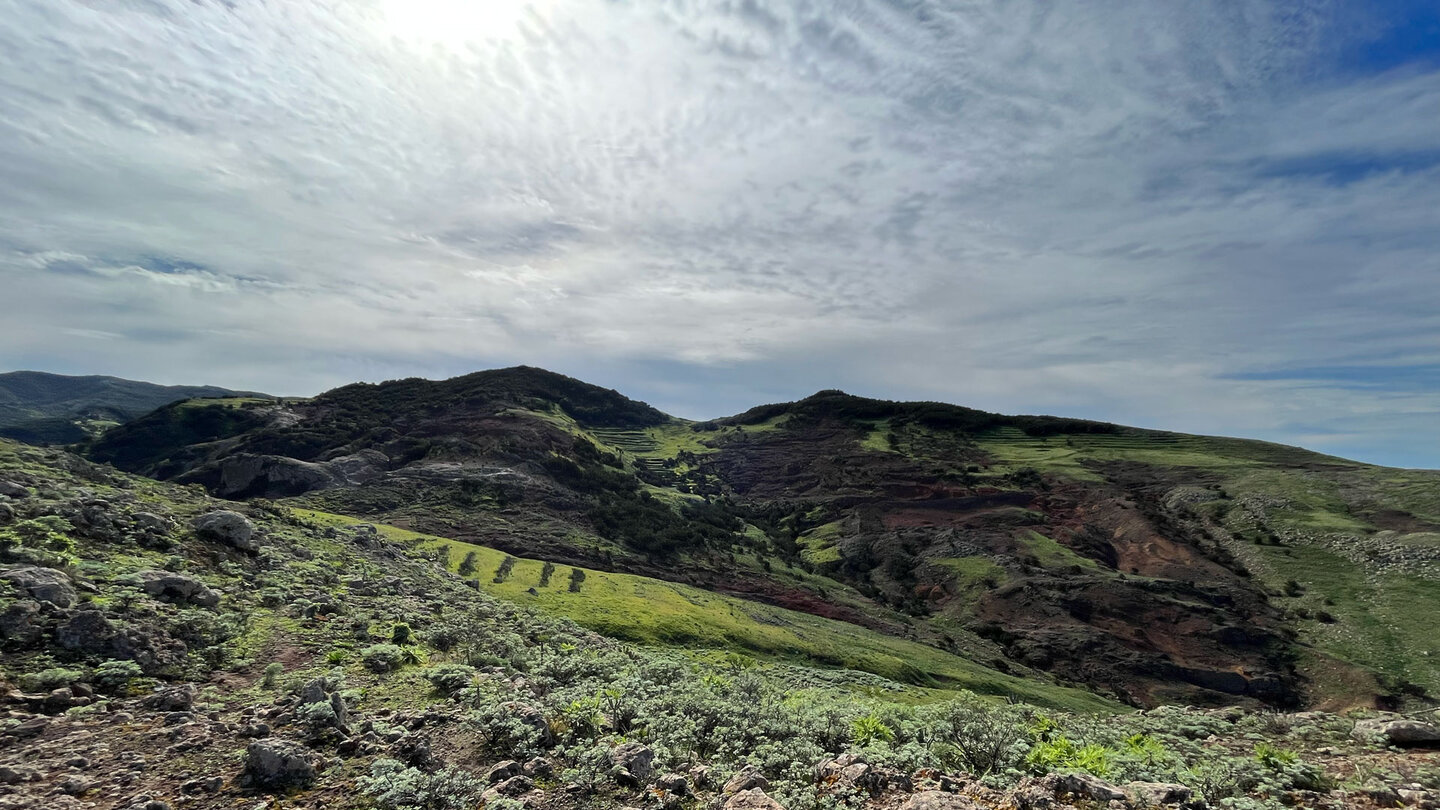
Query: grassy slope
656, 612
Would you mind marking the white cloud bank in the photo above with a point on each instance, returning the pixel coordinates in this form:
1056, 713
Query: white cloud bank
1159, 214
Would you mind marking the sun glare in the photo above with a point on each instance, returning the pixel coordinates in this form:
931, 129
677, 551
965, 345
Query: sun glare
456, 22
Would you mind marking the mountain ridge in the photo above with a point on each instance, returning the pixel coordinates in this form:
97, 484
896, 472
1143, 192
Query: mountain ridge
41, 407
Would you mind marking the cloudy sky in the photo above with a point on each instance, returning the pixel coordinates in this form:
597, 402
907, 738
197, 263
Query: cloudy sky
1218, 217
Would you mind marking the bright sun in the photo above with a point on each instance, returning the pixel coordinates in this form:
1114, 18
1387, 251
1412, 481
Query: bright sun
456, 22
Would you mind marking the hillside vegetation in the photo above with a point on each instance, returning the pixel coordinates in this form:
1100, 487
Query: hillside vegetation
42, 408
164, 649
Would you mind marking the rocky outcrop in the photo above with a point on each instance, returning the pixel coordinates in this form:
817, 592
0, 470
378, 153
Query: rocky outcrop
231, 528
275, 764
252, 475
1400, 732
168, 586
43, 584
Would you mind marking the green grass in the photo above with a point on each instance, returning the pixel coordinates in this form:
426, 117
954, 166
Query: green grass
817, 546
972, 576
1051, 554
654, 612
1385, 621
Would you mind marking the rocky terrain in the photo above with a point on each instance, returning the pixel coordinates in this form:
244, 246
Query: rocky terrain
1149, 567
162, 649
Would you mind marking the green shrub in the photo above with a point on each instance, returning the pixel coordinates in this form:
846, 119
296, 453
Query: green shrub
382, 657
336, 657
273, 671
44, 541
47, 679
449, 678
401, 633
115, 676
396, 787
869, 729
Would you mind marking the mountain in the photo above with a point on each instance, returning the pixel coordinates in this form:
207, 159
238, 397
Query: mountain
42, 408
1150, 567
163, 649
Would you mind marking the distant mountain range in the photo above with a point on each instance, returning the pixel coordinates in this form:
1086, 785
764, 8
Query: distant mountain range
41, 408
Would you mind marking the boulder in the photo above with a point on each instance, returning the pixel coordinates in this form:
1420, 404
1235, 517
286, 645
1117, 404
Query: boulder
847, 770
635, 761
752, 799
514, 786
939, 800
1158, 794
168, 586
1402, 733
231, 528
674, 784
43, 584
87, 631
1083, 786
749, 778
10, 489
19, 623
502, 771
276, 764
7, 513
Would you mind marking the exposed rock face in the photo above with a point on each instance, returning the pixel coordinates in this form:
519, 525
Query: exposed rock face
275, 764
231, 528
43, 584
172, 587
10, 489
1403, 733
250, 475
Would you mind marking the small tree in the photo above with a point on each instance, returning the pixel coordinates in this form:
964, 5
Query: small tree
506, 566
545, 571
576, 577
469, 564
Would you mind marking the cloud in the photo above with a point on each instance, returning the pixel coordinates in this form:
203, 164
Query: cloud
1144, 212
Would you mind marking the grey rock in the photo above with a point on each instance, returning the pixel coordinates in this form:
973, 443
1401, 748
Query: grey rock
674, 784
278, 764
231, 528
634, 759
7, 513
1158, 794
14, 775
74, 785
749, 778
10, 489
502, 771
87, 631
43, 584
752, 799
1402, 733
170, 699
1083, 785
939, 800
514, 786
168, 586
19, 623
538, 767
151, 522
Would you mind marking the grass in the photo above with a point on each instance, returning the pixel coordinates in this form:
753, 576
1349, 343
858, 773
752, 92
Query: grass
817, 546
654, 612
972, 576
1051, 554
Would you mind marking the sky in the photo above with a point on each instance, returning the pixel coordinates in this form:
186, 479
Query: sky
1212, 217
